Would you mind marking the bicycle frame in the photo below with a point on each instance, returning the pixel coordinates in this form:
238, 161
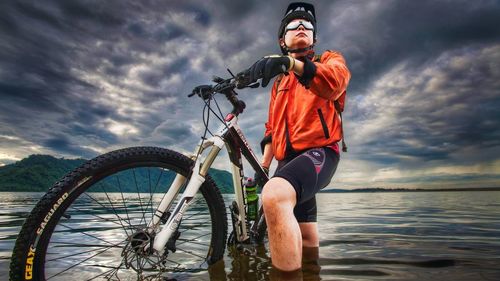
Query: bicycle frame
230, 135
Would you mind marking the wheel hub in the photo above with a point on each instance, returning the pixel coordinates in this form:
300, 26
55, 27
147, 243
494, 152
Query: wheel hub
141, 242
139, 254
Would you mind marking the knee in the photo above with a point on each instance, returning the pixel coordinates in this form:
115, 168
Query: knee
276, 193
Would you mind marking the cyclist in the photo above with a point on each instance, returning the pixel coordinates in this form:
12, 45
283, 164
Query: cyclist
302, 132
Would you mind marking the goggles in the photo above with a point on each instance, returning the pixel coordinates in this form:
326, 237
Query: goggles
295, 25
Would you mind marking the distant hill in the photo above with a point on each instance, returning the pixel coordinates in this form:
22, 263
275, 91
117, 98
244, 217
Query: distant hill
40, 172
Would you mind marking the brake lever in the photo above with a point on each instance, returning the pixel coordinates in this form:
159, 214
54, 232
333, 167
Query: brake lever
217, 79
203, 91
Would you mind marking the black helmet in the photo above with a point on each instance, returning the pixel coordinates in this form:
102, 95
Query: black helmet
297, 10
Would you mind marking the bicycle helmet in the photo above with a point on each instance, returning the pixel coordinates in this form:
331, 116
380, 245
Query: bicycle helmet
297, 10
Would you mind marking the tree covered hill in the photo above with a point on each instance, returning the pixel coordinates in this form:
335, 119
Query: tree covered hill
40, 172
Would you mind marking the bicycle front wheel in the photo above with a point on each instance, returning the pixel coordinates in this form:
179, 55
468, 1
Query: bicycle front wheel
91, 225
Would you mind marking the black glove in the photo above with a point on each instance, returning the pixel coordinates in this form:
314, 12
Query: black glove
267, 68
259, 180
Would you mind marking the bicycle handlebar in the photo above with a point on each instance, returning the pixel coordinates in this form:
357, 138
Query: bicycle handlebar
226, 87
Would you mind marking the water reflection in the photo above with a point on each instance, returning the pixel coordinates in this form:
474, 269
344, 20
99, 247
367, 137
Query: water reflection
257, 266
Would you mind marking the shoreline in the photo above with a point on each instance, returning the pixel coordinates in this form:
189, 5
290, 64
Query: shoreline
367, 190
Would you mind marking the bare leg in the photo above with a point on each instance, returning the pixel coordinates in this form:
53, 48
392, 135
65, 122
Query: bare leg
310, 237
310, 264
285, 239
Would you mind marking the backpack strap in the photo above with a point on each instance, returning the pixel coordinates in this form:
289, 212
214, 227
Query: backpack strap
338, 109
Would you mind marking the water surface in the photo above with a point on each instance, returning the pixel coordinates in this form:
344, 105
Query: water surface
364, 236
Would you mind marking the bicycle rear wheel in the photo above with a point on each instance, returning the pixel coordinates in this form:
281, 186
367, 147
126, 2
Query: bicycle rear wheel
90, 224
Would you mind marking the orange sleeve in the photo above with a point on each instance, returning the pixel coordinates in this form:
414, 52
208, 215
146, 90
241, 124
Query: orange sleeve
332, 76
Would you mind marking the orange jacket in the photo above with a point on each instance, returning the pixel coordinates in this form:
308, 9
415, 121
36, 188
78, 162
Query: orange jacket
302, 118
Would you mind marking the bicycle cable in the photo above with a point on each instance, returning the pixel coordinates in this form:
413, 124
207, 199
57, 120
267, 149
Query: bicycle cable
220, 111
222, 118
219, 116
207, 105
206, 121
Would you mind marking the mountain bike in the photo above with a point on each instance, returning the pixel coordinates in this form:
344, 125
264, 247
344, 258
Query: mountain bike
140, 213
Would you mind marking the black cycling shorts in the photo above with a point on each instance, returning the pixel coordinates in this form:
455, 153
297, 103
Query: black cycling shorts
308, 172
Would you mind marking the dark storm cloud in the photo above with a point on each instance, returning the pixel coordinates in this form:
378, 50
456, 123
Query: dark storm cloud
79, 77
443, 111
64, 145
375, 35
153, 77
41, 45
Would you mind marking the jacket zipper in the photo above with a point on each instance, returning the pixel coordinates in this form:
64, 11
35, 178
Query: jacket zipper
289, 148
323, 124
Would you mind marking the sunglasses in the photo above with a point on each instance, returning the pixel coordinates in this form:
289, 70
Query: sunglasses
295, 25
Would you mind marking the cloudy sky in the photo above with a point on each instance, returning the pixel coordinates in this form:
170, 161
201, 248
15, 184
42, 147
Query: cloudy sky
79, 78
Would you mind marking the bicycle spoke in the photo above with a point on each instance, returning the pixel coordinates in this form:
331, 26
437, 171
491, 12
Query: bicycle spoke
139, 196
115, 269
77, 264
123, 199
190, 227
77, 244
191, 253
150, 203
112, 207
178, 264
83, 232
89, 251
192, 240
99, 217
195, 214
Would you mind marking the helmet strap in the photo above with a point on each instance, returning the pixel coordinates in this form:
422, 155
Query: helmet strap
299, 50
308, 50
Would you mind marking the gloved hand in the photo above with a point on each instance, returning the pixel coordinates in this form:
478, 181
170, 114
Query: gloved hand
267, 68
258, 179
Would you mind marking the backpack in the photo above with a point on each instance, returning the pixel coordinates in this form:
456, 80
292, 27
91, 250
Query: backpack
338, 103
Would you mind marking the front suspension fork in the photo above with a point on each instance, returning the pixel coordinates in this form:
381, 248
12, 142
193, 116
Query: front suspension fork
197, 178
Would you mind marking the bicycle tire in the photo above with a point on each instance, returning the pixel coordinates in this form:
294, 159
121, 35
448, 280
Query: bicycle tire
52, 223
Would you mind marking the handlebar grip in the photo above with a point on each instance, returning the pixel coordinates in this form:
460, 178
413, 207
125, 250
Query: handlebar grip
204, 91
